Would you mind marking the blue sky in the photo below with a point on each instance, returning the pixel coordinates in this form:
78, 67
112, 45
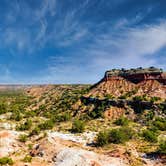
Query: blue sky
75, 41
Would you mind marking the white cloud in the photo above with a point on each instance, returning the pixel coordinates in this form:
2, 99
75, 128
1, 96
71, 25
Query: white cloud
37, 31
47, 6
41, 35
16, 39
132, 47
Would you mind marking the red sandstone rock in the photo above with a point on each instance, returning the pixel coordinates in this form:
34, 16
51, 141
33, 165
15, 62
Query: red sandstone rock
118, 84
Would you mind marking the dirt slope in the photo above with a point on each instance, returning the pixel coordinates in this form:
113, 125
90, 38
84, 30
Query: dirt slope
121, 86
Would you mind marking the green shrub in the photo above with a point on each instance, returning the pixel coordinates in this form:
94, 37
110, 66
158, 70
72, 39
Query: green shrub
102, 138
35, 131
65, 117
85, 117
6, 160
16, 116
128, 94
29, 114
3, 108
160, 123
30, 146
109, 96
149, 135
97, 112
120, 135
23, 137
123, 121
150, 115
27, 158
25, 126
122, 97
140, 98
78, 126
162, 147
154, 99
47, 125
153, 128
62, 118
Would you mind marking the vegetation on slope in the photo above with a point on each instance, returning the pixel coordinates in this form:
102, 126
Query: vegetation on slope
61, 107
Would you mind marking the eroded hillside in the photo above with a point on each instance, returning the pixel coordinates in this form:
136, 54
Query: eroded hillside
115, 122
136, 82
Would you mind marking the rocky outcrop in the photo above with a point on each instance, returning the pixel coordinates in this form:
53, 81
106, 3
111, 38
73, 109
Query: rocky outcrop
138, 82
73, 156
136, 75
120, 89
114, 112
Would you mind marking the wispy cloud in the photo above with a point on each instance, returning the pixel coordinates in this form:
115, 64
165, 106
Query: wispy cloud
38, 29
132, 47
17, 40
46, 7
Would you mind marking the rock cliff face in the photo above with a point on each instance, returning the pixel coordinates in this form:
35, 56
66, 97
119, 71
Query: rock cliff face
125, 92
149, 81
137, 75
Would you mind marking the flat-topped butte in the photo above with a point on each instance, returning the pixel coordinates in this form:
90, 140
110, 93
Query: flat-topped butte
140, 70
137, 75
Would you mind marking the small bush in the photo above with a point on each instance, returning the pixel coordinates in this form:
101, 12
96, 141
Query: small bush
47, 125
27, 158
3, 108
162, 147
35, 131
122, 97
78, 126
153, 129
154, 99
138, 98
29, 114
97, 112
23, 138
30, 146
116, 136
123, 121
150, 115
120, 135
62, 118
6, 160
25, 126
109, 96
160, 123
65, 117
85, 117
149, 135
102, 138
16, 116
